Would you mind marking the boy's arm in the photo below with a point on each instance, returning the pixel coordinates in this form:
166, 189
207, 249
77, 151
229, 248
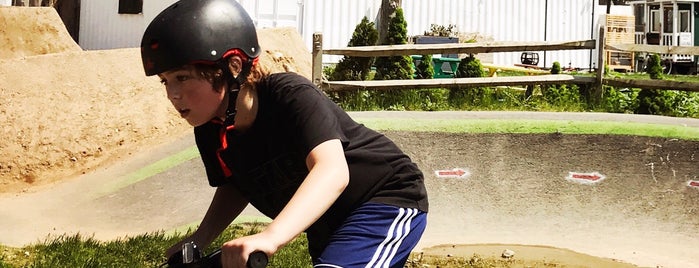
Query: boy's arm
327, 178
225, 206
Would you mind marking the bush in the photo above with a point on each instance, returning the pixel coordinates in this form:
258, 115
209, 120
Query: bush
424, 69
357, 68
470, 67
462, 97
653, 101
619, 101
556, 68
654, 67
396, 67
668, 103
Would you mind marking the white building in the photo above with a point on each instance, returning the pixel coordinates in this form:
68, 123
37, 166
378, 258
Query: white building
102, 27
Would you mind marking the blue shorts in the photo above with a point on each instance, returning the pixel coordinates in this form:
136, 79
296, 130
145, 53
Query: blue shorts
374, 235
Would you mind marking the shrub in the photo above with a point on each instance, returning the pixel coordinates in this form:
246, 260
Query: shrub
654, 67
357, 68
668, 103
556, 68
396, 67
461, 97
654, 101
470, 67
424, 69
619, 101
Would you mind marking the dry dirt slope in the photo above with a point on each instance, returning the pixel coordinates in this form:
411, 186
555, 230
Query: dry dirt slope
65, 111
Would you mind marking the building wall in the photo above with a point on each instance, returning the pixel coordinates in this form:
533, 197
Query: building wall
101, 27
496, 20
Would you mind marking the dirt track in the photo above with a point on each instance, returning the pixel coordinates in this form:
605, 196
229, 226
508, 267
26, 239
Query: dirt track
94, 113
516, 193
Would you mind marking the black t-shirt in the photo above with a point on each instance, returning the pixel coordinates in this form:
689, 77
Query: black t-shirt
267, 162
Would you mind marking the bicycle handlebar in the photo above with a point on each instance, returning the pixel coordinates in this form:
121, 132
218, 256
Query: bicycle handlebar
257, 259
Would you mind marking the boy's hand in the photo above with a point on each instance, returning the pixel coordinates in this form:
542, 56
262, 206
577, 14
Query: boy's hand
235, 253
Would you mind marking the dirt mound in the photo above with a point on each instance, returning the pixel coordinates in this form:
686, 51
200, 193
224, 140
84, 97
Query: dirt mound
68, 111
26, 31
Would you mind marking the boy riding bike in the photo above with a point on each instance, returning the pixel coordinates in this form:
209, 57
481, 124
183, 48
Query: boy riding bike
275, 141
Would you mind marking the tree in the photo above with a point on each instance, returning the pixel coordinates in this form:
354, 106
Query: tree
395, 67
357, 68
388, 8
468, 67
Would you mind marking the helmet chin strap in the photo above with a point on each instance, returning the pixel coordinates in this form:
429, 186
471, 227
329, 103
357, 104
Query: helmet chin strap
234, 84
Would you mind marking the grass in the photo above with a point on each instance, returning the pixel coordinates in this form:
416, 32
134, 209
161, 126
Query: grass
146, 251
533, 126
139, 251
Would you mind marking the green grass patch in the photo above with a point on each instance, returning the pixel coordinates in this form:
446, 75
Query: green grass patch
152, 169
532, 127
139, 251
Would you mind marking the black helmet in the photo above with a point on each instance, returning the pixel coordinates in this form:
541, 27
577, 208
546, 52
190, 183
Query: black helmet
193, 31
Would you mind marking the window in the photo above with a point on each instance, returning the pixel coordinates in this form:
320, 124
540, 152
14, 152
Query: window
655, 21
639, 14
614, 2
667, 27
684, 21
130, 6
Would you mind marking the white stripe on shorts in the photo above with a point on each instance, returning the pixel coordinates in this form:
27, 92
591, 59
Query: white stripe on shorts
396, 233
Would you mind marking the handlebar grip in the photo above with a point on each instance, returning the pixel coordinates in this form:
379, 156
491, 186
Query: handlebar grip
257, 259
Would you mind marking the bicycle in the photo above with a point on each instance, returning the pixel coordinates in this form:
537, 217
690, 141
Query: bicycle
191, 258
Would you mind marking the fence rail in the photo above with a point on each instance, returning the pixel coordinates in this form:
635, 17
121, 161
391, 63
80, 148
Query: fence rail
457, 82
467, 48
461, 48
423, 49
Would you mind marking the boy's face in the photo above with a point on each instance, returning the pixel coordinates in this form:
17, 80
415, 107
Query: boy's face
193, 96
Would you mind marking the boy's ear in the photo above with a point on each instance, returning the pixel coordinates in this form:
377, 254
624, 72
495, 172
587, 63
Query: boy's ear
235, 65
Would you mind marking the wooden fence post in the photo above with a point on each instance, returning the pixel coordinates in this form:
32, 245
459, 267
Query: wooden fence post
317, 61
596, 94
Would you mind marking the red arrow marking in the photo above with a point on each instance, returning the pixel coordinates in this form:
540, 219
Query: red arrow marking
457, 172
585, 178
694, 183
589, 177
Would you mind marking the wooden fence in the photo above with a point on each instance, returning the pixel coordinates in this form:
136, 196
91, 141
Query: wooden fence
595, 83
424, 49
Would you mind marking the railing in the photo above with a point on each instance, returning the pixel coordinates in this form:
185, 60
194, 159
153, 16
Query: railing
474, 48
668, 39
657, 49
461, 48
640, 38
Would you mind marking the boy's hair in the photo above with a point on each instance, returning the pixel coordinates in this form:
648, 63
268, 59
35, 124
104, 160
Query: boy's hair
214, 74
208, 72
